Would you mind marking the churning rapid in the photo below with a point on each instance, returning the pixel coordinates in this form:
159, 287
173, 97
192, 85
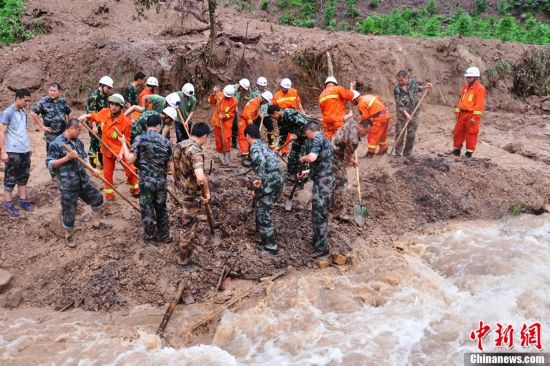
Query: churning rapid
413, 309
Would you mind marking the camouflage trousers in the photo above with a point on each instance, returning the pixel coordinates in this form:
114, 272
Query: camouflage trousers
297, 150
323, 190
407, 137
95, 146
264, 221
17, 170
188, 232
88, 193
340, 176
154, 214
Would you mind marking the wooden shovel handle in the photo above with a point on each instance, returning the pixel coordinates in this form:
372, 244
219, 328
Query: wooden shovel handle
357, 177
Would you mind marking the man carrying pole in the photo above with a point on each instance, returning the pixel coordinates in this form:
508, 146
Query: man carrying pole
225, 109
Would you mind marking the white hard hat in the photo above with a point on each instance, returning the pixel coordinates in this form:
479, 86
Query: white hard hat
152, 81
117, 99
229, 91
107, 81
173, 99
356, 94
286, 83
188, 89
472, 72
245, 83
267, 96
261, 81
331, 79
171, 112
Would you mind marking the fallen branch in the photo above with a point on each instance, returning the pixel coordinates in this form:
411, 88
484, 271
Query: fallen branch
170, 310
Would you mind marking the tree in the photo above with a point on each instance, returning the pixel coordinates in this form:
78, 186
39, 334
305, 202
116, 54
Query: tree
213, 31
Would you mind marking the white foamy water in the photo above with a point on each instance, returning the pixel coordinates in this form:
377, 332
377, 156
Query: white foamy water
412, 309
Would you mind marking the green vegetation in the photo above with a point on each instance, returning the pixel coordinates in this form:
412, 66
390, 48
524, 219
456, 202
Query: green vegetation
265, 5
12, 29
494, 74
532, 75
516, 209
425, 21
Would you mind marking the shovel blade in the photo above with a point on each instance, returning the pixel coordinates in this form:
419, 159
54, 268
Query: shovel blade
360, 214
288, 205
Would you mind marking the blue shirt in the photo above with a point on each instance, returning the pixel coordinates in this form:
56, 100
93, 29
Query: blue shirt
17, 138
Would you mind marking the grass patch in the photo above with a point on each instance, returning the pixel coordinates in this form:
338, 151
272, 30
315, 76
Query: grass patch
12, 30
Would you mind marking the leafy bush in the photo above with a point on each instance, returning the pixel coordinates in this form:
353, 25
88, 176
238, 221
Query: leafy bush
374, 3
532, 75
11, 28
481, 6
265, 5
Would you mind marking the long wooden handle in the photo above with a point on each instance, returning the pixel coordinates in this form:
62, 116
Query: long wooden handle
262, 123
407, 124
89, 167
357, 176
184, 122
221, 123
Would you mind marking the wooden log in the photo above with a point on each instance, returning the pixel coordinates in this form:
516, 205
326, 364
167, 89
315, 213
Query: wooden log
170, 310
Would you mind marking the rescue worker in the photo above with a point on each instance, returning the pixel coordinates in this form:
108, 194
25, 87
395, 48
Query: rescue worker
268, 185
242, 95
468, 113
139, 126
248, 115
406, 100
222, 119
291, 123
344, 143
96, 102
51, 113
190, 177
371, 107
287, 97
131, 95
333, 105
320, 157
109, 118
151, 153
150, 85
74, 182
264, 119
188, 103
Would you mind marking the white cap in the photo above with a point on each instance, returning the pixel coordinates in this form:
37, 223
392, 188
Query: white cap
472, 72
171, 112
107, 81
267, 96
229, 91
245, 83
331, 79
152, 81
173, 99
286, 83
261, 81
356, 94
188, 89
117, 99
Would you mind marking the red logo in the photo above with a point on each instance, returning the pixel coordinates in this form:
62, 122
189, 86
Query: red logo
530, 335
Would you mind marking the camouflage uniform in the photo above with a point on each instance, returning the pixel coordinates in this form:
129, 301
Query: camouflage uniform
96, 102
292, 121
54, 115
131, 95
266, 166
74, 182
188, 156
139, 127
406, 101
242, 99
344, 142
323, 189
153, 153
267, 122
157, 102
187, 105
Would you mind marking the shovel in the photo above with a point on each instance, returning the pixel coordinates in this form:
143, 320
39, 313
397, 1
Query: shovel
288, 204
360, 212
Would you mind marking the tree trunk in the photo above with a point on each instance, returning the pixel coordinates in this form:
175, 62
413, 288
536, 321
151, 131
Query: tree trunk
213, 31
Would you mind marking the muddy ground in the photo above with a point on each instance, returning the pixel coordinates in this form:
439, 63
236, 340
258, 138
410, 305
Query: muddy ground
112, 270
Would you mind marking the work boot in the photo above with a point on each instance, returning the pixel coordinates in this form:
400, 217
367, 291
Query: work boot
234, 142
381, 152
318, 253
221, 158
12, 209
268, 249
167, 238
27, 206
370, 155
456, 152
468, 154
227, 158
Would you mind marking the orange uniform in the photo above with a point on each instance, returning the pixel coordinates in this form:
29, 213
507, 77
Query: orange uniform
284, 100
333, 107
250, 112
222, 120
468, 113
110, 138
145, 92
371, 107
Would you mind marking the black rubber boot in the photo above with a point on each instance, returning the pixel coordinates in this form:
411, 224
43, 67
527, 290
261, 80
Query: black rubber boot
468, 154
370, 155
456, 152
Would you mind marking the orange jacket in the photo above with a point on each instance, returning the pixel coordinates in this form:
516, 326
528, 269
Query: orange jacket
225, 108
290, 99
371, 107
145, 92
472, 99
105, 118
333, 103
251, 109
